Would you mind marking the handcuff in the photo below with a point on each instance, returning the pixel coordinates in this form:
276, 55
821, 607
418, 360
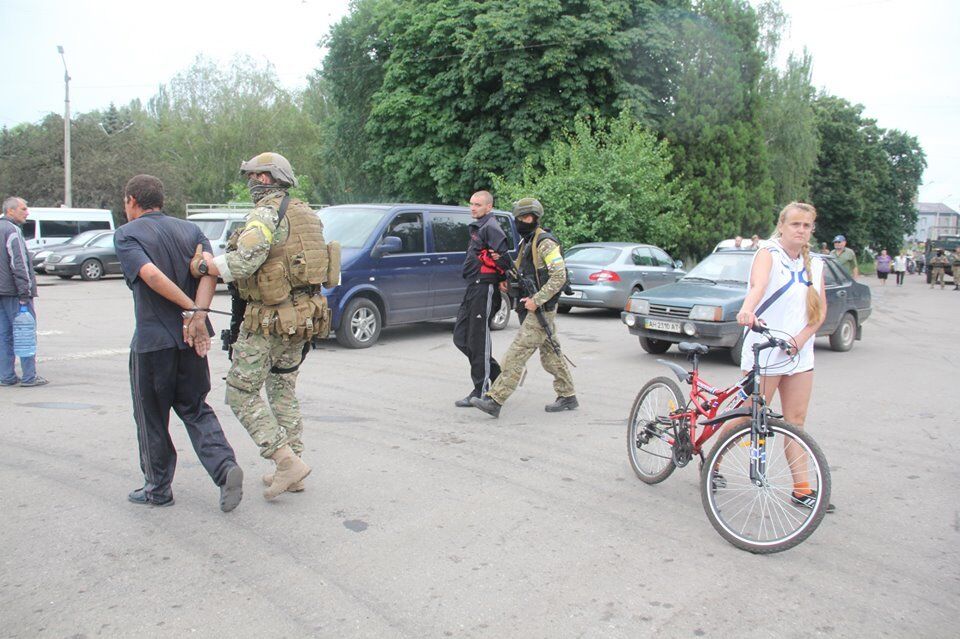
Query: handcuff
193, 311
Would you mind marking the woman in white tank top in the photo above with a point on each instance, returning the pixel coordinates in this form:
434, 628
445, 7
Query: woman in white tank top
786, 293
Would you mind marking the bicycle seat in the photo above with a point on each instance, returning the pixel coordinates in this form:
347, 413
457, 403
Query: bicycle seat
692, 347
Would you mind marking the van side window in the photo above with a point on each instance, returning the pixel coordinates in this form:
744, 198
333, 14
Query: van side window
29, 229
451, 233
58, 228
409, 228
94, 226
505, 225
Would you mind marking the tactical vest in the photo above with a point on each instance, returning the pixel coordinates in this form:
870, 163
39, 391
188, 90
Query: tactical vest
300, 262
283, 295
530, 263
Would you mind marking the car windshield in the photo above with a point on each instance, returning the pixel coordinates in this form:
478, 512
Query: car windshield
723, 267
212, 229
591, 255
81, 239
350, 225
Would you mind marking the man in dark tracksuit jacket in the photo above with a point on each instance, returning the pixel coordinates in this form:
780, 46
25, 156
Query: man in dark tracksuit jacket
484, 268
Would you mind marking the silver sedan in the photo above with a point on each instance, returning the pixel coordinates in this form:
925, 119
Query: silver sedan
606, 274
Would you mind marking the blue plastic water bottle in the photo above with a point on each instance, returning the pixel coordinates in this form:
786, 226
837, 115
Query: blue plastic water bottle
24, 333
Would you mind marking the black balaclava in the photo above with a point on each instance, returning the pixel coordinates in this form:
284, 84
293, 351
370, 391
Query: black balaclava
259, 191
526, 229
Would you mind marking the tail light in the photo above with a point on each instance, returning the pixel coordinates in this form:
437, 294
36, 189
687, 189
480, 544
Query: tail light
604, 276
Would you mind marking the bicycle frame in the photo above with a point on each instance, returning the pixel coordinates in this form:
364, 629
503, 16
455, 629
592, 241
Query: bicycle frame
705, 402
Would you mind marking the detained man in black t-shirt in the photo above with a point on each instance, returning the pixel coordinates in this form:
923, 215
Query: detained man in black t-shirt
168, 366
484, 268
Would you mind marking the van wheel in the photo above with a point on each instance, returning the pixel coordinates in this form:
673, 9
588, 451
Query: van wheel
360, 324
499, 321
91, 270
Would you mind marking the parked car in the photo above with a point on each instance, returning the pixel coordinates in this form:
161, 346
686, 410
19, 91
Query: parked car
80, 239
400, 263
605, 274
218, 221
702, 306
90, 262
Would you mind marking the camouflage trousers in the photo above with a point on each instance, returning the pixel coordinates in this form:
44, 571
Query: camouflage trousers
278, 424
530, 338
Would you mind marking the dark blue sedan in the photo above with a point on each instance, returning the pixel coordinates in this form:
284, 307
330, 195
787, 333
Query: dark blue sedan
702, 306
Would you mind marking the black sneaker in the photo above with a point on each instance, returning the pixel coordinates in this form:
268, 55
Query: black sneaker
809, 500
140, 497
718, 481
487, 405
562, 403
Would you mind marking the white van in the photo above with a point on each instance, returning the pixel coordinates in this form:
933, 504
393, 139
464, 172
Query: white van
218, 221
46, 227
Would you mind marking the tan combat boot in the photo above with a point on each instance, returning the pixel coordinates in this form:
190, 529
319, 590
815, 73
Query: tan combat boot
294, 488
290, 470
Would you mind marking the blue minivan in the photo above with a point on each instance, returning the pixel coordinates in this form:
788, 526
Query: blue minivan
400, 263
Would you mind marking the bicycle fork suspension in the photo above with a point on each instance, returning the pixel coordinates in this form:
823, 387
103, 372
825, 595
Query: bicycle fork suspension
758, 447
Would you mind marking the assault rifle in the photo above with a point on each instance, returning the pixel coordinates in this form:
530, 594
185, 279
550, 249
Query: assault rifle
238, 306
524, 286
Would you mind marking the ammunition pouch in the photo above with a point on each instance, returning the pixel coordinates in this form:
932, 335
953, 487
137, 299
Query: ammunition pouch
304, 316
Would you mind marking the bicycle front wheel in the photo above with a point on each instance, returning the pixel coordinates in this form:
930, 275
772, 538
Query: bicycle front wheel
650, 432
763, 516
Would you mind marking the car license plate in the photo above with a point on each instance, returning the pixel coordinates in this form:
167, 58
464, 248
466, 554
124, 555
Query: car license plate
661, 325
51, 268
576, 294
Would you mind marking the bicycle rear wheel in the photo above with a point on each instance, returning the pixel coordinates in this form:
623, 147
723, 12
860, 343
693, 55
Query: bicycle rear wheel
765, 519
648, 427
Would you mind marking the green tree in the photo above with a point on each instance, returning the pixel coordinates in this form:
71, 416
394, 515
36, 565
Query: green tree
716, 131
603, 181
866, 178
433, 96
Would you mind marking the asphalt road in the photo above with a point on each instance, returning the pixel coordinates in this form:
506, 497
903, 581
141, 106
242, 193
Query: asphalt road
424, 520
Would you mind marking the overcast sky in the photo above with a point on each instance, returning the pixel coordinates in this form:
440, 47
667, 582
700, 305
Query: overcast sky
899, 58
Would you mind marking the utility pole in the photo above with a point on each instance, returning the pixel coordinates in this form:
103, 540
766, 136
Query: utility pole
67, 188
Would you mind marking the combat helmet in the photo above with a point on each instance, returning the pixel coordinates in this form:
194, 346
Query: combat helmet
272, 163
526, 206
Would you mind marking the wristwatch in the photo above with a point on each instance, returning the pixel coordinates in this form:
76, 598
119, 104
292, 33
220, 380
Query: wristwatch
202, 267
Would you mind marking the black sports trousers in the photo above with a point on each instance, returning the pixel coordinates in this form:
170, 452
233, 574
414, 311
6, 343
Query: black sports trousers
177, 379
471, 333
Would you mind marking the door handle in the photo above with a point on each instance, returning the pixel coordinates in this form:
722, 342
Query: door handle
841, 293
442, 260
424, 260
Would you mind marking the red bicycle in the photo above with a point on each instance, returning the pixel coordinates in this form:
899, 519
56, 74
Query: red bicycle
765, 485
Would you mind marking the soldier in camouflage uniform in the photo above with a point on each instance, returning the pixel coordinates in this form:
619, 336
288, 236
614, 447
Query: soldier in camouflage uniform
937, 266
279, 260
539, 258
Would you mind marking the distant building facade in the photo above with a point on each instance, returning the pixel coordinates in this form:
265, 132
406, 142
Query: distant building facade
935, 220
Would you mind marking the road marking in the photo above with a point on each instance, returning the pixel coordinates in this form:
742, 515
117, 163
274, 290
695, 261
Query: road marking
43, 333
107, 352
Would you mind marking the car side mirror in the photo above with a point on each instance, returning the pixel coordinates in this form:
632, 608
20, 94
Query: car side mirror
389, 244
678, 264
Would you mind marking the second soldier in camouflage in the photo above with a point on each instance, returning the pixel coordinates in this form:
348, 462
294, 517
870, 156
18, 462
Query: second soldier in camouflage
540, 259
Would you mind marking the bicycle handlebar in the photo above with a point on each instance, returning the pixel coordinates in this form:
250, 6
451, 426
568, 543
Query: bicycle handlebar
772, 341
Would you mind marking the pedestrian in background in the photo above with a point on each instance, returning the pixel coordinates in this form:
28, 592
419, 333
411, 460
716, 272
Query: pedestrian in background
900, 267
956, 269
845, 256
884, 264
18, 287
484, 268
168, 365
